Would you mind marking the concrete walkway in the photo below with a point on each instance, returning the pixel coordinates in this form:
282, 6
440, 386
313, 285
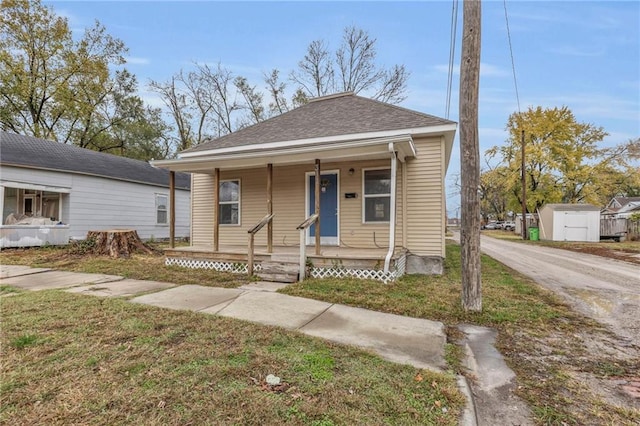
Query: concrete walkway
400, 339
405, 340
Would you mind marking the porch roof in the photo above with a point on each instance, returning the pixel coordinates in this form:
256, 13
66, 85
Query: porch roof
296, 152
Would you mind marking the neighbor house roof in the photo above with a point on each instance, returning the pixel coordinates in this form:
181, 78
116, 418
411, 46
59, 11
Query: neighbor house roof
572, 207
619, 202
333, 115
26, 151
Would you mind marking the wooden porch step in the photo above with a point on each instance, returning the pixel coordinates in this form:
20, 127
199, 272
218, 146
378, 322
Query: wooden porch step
278, 271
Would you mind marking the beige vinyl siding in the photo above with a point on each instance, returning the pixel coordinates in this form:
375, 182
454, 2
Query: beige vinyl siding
289, 193
425, 206
202, 210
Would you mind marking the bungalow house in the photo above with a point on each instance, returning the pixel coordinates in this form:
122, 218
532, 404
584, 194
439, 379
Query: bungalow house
620, 207
359, 181
51, 192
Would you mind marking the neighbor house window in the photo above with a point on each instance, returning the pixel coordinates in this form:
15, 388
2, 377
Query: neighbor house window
162, 201
229, 210
377, 195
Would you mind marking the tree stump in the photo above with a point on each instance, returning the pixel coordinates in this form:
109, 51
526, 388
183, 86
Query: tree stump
117, 242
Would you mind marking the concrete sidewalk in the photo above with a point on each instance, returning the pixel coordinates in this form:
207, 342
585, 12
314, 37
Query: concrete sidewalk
413, 341
405, 340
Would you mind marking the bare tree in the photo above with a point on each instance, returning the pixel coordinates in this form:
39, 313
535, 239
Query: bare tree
353, 70
252, 102
315, 72
276, 89
177, 101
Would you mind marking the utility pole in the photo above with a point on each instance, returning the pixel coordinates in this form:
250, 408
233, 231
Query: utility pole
524, 189
470, 157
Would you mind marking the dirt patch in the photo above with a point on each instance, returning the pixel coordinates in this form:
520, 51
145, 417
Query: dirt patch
595, 370
625, 255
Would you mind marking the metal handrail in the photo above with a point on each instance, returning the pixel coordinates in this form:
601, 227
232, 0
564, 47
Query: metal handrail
252, 232
303, 243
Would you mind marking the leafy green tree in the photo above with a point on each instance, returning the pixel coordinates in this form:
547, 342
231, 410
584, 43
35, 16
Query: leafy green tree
58, 88
564, 162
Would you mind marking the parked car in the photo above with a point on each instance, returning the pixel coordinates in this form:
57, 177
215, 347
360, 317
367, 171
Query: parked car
499, 224
509, 226
491, 225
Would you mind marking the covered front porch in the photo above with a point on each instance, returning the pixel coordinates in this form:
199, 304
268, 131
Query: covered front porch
332, 208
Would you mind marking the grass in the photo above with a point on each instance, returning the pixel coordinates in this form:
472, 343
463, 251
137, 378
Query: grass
543, 340
138, 266
135, 356
71, 359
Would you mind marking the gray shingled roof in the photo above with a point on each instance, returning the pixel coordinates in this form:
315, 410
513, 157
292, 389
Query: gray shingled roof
342, 114
572, 207
27, 151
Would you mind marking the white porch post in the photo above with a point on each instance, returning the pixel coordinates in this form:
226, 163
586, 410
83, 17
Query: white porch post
216, 209
392, 208
2, 205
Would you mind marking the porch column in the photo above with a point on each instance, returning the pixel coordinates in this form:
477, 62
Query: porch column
216, 208
392, 208
317, 210
270, 207
2, 205
172, 209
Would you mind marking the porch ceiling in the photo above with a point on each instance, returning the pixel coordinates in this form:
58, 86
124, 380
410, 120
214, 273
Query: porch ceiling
364, 149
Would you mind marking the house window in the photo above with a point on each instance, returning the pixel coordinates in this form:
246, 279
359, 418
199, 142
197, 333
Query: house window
162, 201
377, 195
229, 208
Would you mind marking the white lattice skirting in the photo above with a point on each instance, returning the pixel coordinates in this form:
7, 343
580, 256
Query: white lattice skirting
236, 268
241, 268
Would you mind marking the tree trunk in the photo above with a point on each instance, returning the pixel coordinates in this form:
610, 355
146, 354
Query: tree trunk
117, 242
470, 158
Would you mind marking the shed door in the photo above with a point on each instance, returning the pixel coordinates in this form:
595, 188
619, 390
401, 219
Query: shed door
576, 226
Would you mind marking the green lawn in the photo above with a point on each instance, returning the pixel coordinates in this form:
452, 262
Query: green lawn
173, 367
71, 359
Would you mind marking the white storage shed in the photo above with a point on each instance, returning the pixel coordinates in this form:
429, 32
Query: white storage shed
569, 222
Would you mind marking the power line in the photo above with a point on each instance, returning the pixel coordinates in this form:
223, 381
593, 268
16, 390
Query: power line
452, 54
523, 178
513, 64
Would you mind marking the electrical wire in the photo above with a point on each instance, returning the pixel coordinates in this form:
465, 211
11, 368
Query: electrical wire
513, 64
452, 54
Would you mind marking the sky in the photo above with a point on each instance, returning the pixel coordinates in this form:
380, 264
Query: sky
579, 54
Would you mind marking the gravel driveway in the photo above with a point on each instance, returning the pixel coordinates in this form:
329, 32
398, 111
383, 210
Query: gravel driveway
604, 289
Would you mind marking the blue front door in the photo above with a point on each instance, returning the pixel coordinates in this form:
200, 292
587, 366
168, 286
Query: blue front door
328, 207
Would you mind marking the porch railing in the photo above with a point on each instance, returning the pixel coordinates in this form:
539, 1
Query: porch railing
303, 242
252, 232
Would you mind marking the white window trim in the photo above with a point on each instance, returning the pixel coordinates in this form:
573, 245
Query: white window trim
220, 203
159, 194
365, 196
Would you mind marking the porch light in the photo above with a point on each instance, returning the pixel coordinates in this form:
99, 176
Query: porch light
324, 184
352, 171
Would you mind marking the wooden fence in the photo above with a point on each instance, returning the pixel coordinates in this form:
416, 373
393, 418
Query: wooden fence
620, 228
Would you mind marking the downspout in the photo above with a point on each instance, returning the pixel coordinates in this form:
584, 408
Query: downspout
392, 209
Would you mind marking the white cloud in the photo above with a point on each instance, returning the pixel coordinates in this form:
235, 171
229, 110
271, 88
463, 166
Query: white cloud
134, 60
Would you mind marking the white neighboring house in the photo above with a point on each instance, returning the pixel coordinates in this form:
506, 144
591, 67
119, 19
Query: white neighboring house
629, 209
620, 207
66, 191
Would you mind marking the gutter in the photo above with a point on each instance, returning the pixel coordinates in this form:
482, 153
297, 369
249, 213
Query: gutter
392, 208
